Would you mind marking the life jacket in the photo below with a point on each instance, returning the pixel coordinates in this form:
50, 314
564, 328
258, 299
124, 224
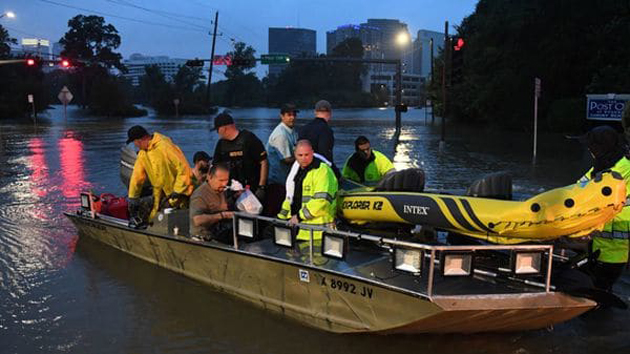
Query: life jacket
372, 170
613, 242
317, 204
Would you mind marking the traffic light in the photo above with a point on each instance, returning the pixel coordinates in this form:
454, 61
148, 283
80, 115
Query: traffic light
194, 62
457, 60
243, 61
65, 63
458, 44
32, 61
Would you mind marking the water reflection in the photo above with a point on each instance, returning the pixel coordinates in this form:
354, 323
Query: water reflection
38, 166
72, 167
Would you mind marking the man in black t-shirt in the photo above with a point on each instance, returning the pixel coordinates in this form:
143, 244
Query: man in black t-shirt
243, 153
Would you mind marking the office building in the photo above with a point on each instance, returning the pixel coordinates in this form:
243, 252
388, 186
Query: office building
295, 42
137, 63
423, 41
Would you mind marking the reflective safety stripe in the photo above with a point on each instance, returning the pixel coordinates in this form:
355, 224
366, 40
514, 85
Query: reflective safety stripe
627, 201
306, 199
323, 195
307, 213
620, 235
284, 212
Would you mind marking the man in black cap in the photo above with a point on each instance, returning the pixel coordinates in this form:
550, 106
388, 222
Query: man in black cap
613, 243
164, 165
280, 148
243, 153
319, 133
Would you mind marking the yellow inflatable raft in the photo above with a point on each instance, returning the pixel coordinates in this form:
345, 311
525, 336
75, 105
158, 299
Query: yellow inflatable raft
575, 210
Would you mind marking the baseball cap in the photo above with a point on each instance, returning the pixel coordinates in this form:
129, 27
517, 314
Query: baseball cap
323, 105
288, 107
136, 132
222, 120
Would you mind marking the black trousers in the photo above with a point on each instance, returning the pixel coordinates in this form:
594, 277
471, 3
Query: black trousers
606, 274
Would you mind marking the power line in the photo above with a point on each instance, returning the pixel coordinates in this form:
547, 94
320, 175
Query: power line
164, 14
122, 17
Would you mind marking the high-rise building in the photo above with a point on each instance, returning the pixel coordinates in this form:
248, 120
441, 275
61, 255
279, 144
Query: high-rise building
295, 42
384, 39
137, 62
423, 41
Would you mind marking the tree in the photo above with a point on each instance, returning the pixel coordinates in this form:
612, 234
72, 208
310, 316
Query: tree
243, 86
241, 51
5, 43
348, 75
92, 41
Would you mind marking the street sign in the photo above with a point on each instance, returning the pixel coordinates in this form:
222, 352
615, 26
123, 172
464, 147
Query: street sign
606, 107
274, 59
65, 96
176, 101
30, 98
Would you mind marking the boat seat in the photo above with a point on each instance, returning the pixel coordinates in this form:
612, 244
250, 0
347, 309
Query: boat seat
409, 180
494, 186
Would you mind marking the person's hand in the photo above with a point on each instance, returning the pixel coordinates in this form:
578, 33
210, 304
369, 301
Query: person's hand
176, 196
260, 194
227, 214
294, 220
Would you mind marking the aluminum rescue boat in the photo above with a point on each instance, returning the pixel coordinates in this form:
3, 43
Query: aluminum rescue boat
354, 282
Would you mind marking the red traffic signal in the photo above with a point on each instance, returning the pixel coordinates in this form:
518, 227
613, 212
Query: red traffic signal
31, 62
459, 44
65, 63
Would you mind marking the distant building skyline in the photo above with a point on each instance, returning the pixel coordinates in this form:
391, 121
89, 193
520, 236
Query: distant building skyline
296, 42
137, 63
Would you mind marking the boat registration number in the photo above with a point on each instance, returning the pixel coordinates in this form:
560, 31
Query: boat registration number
348, 287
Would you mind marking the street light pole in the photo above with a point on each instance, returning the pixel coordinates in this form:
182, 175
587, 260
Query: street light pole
432, 103
446, 57
214, 39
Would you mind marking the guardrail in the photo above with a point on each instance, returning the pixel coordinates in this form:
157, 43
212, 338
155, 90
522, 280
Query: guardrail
410, 257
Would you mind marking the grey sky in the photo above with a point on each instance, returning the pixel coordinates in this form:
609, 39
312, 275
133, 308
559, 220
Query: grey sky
179, 28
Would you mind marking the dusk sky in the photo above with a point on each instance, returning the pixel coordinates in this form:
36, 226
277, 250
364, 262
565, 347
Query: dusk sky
179, 28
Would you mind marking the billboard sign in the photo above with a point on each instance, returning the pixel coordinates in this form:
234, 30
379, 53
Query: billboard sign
606, 107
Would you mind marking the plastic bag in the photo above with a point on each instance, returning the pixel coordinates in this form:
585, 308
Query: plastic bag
248, 203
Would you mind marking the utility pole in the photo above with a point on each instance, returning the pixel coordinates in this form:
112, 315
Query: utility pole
398, 94
432, 101
446, 60
214, 40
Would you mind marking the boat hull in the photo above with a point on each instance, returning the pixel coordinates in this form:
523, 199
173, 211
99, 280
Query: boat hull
330, 300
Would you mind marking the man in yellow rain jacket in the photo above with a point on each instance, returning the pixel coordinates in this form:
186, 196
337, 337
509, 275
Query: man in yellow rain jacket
608, 152
164, 164
314, 198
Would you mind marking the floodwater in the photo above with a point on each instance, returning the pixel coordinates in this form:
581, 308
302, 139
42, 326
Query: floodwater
59, 293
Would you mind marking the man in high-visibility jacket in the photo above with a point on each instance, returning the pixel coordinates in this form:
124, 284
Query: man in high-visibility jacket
366, 165
164, 164
314, 198
608, 152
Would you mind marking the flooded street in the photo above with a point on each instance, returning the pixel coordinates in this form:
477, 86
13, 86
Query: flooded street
62, 294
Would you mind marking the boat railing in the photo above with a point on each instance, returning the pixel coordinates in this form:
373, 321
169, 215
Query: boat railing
528, 263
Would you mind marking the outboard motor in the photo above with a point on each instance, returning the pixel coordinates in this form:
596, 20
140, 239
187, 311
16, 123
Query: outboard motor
494, 186
409, 180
